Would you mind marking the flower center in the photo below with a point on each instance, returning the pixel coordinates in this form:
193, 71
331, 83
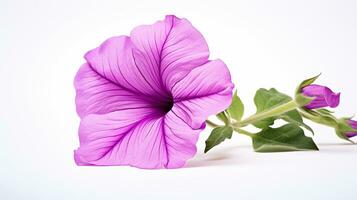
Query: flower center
165, 105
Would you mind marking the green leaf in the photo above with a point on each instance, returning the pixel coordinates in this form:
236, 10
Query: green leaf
289, 137
218, 135
295, 118
267, 99
236, 109
306, 82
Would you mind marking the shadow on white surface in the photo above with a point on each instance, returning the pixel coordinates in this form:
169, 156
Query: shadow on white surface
218, 157
244, 154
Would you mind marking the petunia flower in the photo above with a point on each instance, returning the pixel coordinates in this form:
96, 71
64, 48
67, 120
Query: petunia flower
353, 124
144, 99
324, 97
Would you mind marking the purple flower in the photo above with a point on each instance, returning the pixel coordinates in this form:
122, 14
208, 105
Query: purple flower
323, 96
353, 124
144, 99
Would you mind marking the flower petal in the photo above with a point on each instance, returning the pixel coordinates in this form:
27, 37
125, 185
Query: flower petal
171, 48
351, 134
135, 138
114, 60
205, 91
353, 123
180, 140
324, 96
99, 133
97, 95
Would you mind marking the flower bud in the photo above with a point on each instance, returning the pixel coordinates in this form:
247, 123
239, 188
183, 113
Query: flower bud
353, 124
323, 96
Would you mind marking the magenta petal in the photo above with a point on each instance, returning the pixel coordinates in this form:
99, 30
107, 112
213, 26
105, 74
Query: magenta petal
170, 48
353, 124
323, 96
99, 133
206, 90
351, 134
114, 60
97, 95
180, 140
135, 138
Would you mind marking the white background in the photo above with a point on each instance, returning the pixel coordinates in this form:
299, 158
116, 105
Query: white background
264, 43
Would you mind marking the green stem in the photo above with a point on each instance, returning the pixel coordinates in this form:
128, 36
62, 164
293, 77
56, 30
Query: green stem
276, 111
243, 132
238, 130
211, 124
